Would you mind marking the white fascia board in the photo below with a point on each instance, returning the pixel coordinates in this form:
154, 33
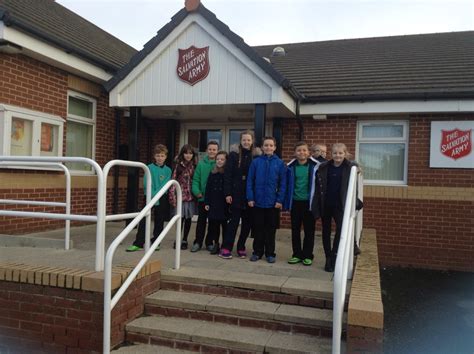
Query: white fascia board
417, 106
280, 95
53, 56
7, 107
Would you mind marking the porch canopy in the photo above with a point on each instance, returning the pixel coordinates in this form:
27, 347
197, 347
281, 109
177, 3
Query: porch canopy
234, 78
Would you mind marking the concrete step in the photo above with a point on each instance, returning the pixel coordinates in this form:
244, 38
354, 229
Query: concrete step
149, 349
264, 287
241, 312
205, 336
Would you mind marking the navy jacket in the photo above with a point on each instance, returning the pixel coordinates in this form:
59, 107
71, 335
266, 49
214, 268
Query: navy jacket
235, 177
313, 165
321, 183
266, 181
214, 197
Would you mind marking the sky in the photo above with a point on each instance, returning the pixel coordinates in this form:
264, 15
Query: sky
284, 21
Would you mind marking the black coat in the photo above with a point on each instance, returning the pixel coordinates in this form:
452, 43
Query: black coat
321, 184
215, 198
235, 178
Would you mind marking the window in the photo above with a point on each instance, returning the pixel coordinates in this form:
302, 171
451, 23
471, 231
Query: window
24, 132
80, 129
382, 150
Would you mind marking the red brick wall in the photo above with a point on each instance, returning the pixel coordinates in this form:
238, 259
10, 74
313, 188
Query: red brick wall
435, 234
36, 318
31, 84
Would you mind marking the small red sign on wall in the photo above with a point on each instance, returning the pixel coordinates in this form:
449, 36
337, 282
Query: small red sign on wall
456, 143
193, 64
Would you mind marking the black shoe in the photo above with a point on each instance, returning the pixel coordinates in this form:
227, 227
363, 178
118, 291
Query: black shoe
328, 267
357, 250
215, 249
184, 245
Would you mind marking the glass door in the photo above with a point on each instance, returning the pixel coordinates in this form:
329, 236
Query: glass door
199, 138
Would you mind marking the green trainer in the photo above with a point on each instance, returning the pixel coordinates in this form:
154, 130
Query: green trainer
294, 260
307, 261
134, 248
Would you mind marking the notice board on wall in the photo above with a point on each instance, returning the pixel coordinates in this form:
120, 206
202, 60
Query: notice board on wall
451, 144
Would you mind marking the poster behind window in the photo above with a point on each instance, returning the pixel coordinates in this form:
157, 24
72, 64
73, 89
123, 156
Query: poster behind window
21, 136
48, 140
452, 144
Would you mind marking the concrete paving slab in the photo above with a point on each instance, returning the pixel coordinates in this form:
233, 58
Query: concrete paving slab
254, 281
32, 241
297, 344
180, 300
304, 315
168, 327
242, 307
301, 286
249, 339
194, 275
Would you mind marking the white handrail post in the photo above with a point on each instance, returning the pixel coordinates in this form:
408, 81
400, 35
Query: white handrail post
179, 211
67, 236
148, 216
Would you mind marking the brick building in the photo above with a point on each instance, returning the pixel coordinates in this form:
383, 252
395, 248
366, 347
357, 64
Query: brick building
388, 99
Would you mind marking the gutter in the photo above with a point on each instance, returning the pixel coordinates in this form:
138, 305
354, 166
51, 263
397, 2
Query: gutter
391, 97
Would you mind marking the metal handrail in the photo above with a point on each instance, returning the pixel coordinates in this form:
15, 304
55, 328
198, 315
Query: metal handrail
99, 217
109, 301
146, 170
344, 261
66, 204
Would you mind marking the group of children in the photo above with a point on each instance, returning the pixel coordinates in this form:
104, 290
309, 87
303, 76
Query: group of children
249, 186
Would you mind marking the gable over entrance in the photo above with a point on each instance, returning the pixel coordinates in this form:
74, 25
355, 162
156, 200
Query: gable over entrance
215, 67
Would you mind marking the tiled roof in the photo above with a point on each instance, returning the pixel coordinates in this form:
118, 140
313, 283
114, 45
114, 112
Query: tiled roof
438, 65
53, 23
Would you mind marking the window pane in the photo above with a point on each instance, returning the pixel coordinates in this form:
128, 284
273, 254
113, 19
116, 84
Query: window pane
382, 131
21, 137
382, 162
80, 107
79, 144
49, 140
234, 137
199, 139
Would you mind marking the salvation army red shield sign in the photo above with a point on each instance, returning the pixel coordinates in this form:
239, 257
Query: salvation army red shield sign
193, 64
456, 143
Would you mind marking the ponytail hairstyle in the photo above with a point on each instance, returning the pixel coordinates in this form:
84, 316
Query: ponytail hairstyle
245, 132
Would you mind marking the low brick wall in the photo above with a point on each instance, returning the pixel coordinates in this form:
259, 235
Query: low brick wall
60, 310
365, 312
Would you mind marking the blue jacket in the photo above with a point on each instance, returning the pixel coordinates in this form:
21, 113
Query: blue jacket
266, 181
313, 165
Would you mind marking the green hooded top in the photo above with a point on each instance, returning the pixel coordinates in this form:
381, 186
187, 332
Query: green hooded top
201, 174
160, 175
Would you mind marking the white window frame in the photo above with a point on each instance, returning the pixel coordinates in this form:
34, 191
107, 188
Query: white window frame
403, 140
88, 121
8, 113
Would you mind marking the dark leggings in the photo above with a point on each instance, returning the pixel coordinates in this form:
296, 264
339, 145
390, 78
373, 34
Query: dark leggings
229, 237
336, 213
186, 225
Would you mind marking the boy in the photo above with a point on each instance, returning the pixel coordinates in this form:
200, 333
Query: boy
319, 151
201, 174
300, 177
160, 174
266, 185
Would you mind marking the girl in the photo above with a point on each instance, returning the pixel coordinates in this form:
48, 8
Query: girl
235, 189
266, 186
214, 202
183, 173
332, 180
